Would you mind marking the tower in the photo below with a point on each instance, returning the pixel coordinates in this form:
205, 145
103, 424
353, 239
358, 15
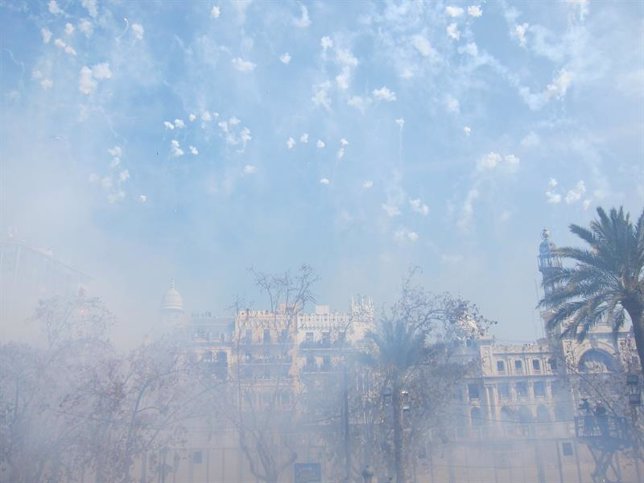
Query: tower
172, 313
549, 262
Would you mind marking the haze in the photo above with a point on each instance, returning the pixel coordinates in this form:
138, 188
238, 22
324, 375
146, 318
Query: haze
148, 141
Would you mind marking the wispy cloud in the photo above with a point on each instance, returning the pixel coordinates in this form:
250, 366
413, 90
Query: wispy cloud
419, 207
87, 82
575, 194
285, 58
53, 8
493, 160
303, 20
321, 95
405, 235
384, 94
474, 11
138, 31
467, 210
243, 65
175, 149
453, 11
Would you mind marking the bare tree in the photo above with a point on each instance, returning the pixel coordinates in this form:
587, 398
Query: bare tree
76, 408
134, 406
259, 397
38, 437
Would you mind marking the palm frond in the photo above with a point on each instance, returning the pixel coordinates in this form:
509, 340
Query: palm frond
584, 233
606, 275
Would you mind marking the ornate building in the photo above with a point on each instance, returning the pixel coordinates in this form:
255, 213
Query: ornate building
516, 420
513, 420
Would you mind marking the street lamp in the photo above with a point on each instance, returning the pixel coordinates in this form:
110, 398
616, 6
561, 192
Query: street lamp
387, 395
635, 401
633, 389
405, 401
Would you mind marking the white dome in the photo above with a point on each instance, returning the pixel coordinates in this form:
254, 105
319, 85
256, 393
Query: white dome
172, 299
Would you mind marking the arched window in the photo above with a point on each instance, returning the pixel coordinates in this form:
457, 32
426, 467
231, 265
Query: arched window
596, 361
507, 419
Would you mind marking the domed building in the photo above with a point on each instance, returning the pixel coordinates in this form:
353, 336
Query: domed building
171, 309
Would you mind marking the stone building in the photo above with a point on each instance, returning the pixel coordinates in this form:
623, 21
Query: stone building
515, 416
513, 419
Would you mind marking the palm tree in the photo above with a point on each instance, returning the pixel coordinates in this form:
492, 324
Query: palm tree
397, 348
606, 282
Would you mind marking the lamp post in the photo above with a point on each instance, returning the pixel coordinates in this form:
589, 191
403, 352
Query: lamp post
634, 391
399, 400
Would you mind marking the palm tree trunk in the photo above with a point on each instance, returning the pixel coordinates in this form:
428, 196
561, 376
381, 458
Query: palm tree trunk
636, 313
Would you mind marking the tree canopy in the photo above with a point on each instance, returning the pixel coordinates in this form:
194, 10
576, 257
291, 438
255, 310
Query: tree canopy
605, 282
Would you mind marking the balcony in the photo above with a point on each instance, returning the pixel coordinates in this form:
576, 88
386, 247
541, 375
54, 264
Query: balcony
317, 344
593, 427
266, 359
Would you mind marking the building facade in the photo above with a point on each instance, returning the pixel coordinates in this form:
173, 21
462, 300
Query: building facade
512, 420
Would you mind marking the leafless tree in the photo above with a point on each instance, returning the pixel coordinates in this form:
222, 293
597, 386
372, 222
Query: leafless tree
76, 408
258, 400
38, 437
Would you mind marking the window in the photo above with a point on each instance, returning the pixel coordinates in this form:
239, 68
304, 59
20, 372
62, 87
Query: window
197, 457
283, 336
504, 391
553, 364
473, 391
566, 448
326, 338
522, 389
540, 389
309, 336
267, 336
518, 366
500, 367
536, 365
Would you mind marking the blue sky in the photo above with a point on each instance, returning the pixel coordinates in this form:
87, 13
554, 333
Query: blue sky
149, 140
